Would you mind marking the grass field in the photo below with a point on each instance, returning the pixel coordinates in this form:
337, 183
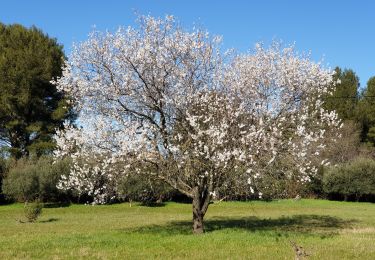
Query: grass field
235, 230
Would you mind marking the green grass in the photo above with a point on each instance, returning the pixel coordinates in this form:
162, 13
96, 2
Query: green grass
235, 230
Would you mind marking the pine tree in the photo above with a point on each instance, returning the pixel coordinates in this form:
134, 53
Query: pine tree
31, 108
345, 96
366, 112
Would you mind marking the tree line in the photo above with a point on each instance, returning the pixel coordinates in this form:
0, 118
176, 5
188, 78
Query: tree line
354, 103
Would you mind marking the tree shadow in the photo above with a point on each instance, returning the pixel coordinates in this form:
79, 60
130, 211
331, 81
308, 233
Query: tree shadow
48, 220
322, 225
153, 204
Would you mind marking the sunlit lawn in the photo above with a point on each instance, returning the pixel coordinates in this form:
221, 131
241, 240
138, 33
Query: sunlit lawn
235, 230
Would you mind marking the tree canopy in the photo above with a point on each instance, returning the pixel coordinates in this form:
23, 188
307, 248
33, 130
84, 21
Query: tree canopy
166, 102
31, 108
344, 96
366, 112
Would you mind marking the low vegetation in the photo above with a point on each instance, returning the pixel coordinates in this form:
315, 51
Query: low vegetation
30, 179
353, 180
32, 211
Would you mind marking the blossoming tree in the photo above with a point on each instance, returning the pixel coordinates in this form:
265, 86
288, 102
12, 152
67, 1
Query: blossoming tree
163, 101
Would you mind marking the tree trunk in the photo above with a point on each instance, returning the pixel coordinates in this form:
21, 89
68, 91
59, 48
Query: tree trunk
197, 218
200, 205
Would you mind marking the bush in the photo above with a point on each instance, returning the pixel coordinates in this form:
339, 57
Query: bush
144, 189
31, 179
33, 210
351, 181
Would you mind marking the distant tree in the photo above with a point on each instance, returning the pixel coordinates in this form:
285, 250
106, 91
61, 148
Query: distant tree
31, 108
366, 112
344, 97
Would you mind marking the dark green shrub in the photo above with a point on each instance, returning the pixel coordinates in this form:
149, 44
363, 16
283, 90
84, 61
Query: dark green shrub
144, 189
21, 182
30, 179
33, 210
351, 181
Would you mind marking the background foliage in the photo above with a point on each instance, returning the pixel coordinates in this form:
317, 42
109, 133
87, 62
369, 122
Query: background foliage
29, 179
353, 180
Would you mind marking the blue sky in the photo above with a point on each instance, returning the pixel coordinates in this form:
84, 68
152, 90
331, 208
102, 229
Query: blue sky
340, 32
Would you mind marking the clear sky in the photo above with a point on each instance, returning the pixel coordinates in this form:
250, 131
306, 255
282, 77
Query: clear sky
340, 32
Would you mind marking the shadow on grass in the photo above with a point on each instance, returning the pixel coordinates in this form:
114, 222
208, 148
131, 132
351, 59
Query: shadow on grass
56, 204
48, 220
153, 204
324, 226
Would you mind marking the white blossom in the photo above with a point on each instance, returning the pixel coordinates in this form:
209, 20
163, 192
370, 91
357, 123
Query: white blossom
166, 102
